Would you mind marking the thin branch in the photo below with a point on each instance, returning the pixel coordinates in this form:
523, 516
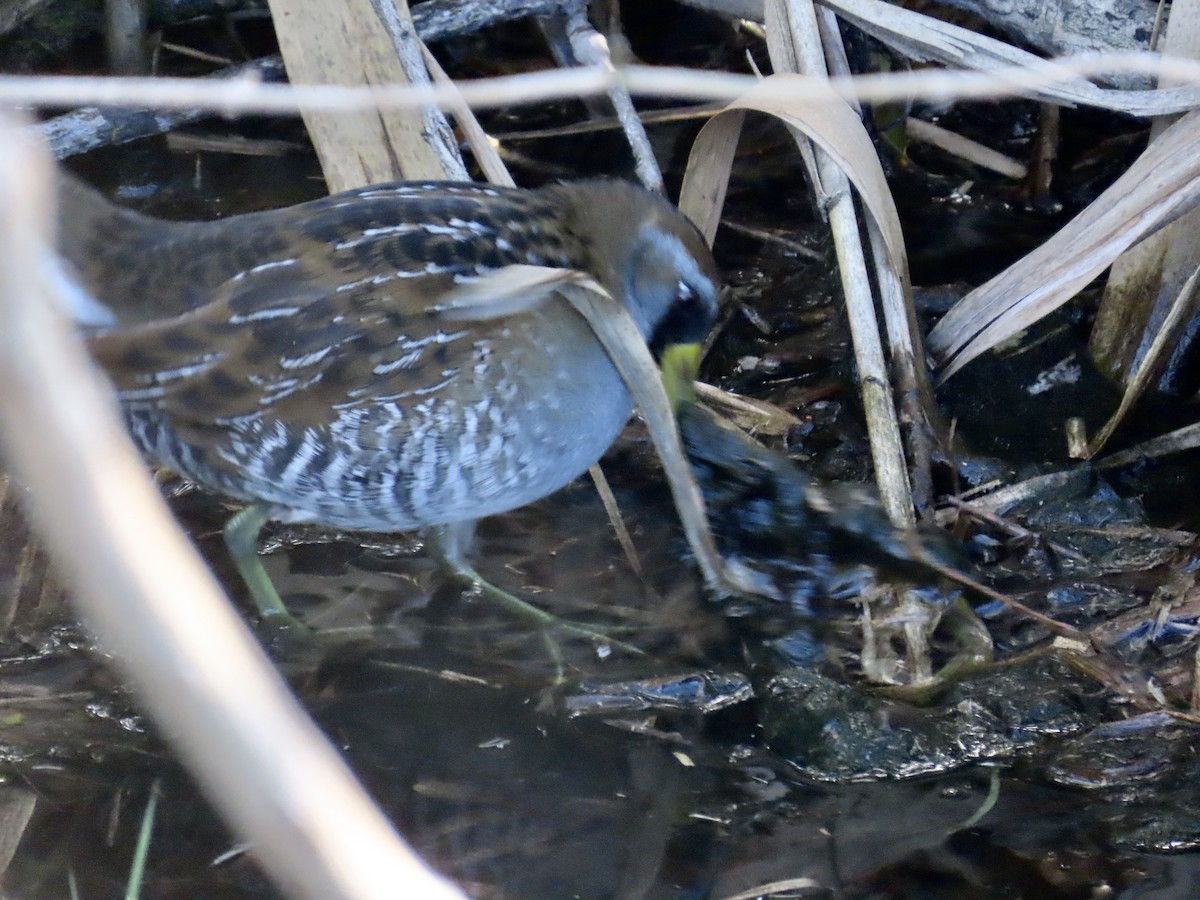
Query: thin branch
397, 21
591, 49
244, 96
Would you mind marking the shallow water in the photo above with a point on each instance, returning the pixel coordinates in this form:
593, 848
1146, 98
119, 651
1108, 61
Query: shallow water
747, 747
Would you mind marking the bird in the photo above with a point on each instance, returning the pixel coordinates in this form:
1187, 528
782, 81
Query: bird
391, 358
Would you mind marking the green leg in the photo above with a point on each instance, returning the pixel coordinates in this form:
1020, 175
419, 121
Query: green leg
241, 537
451, 543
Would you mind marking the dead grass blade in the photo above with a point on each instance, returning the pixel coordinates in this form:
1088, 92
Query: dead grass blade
924, 38
505, 292
1182, 311
615, 329
823, 117
814, 112
1162, 185
1177, 441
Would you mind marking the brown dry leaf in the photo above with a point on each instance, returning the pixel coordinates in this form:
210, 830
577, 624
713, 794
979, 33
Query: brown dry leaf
1163, 184
827, 120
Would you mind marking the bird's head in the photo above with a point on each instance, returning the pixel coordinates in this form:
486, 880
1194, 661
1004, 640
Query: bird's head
648, 254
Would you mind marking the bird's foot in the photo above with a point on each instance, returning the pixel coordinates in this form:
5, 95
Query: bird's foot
241, 537
547, 623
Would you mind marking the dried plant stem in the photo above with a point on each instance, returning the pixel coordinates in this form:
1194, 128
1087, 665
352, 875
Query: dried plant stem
591, 49
435, 130
125, 36
1052, 625
965, 148
247, 96
609, 499
914, 392
1177, 441
887, 451
151, 599
1184, 309
477, 139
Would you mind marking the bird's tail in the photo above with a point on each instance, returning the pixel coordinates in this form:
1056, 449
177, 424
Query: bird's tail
88, 229
112, 254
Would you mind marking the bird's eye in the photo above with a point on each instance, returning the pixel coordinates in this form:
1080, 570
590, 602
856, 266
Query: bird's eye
685, 293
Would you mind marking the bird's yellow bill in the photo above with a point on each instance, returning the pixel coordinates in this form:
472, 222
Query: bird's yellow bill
680, 366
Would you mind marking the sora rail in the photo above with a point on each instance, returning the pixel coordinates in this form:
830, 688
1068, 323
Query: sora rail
301, 359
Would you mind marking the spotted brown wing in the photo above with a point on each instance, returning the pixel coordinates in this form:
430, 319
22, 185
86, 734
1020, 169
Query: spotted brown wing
283, 342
